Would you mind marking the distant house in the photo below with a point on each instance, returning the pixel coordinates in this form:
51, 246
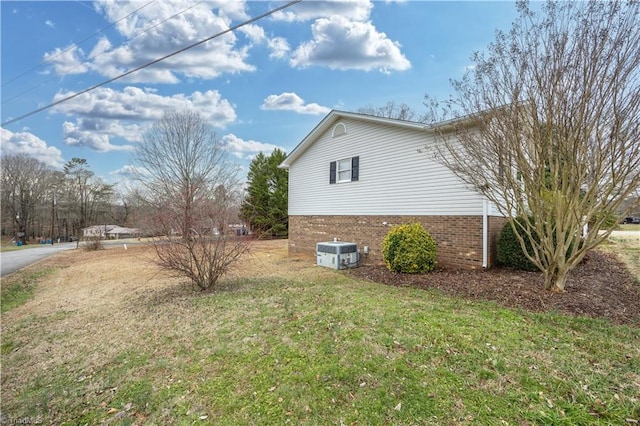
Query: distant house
96, 231
354, 176
112, 232
119, 232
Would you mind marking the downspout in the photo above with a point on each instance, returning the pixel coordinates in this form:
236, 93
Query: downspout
485, 232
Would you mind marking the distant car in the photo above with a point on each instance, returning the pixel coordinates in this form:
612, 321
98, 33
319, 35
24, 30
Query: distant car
631, 220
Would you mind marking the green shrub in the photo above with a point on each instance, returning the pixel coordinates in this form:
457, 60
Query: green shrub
510, 252
609, 220
409, 249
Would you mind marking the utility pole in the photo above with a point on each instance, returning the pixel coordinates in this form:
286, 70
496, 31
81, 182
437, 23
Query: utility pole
53, 214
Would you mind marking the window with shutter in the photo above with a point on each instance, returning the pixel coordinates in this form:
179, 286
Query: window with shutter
332, 172
355, 166
345, 170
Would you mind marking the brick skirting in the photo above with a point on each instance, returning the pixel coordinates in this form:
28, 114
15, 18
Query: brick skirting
458, 238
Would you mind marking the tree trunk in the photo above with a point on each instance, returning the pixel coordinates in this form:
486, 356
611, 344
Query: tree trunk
555, 278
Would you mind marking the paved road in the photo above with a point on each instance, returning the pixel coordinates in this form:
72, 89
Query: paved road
627, 234
11, 261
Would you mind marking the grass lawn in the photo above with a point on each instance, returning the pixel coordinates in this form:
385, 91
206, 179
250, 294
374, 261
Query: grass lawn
286, 342
628, 248
13, 247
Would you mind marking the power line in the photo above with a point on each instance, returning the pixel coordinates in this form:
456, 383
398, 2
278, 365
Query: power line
228, 30
71, 47
103, 53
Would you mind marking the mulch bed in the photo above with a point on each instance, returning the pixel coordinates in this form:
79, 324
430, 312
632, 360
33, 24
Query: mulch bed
600, 286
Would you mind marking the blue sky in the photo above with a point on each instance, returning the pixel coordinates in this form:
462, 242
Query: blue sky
265, 85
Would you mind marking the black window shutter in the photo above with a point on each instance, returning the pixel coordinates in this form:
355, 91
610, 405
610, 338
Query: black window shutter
355, 166
332, 172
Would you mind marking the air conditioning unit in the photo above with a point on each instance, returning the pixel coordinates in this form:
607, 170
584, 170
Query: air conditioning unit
337, 255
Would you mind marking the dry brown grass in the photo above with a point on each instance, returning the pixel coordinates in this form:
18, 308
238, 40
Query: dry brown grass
626, 246
99, 301
117, 274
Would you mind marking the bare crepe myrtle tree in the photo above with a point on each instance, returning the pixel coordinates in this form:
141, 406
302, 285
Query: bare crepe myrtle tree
546, 124
186, 176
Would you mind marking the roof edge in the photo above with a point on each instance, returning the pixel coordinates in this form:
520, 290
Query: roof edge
333, 116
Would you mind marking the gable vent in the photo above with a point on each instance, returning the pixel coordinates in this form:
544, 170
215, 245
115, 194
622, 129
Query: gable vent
339, 130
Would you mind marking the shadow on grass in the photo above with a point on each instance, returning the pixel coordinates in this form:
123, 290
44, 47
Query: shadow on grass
186, 293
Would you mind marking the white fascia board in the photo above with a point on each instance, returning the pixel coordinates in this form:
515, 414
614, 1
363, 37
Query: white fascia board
332, 117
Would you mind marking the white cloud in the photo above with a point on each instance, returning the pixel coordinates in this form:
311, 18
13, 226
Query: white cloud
95, 133
102, 46
254, 32
288, 101
105, 113
67, 61
144, 104
126, 177
75, 135
358, 10
279, 47
30, 144
50, 23
339, 43
246, 149
129, 171
114, 10
165, 27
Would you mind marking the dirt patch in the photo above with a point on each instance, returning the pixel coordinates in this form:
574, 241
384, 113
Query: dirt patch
600, 286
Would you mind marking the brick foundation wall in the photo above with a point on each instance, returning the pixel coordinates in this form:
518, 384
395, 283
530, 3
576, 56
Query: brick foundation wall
495, 226
458, 238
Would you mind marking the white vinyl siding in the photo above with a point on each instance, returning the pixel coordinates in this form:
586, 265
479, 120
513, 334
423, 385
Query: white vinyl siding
394, 178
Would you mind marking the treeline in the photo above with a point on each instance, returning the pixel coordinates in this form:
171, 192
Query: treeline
41, 202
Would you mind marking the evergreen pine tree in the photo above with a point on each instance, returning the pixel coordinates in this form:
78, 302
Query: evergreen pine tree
265, 206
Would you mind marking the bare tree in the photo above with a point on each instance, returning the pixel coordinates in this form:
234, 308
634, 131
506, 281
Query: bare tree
78, 174
26, 183
84, 199
186, 175
549, 126
397, 111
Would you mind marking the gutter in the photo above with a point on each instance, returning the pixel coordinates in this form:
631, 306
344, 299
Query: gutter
485, 232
